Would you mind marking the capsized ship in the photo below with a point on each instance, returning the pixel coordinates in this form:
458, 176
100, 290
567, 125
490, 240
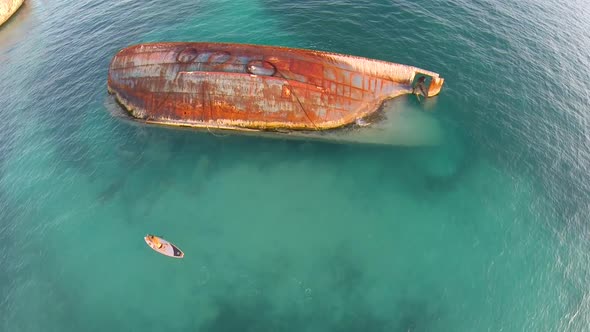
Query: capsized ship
8, 8
258, 89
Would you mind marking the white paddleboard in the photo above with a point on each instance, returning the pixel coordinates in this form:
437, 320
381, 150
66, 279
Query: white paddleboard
166, 248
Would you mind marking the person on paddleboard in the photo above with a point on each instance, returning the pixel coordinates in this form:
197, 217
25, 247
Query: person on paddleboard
156, 241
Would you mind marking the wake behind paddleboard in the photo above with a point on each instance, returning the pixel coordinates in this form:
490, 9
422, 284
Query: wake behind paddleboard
166, 248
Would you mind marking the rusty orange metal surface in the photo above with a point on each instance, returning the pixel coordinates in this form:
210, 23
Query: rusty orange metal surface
254, 87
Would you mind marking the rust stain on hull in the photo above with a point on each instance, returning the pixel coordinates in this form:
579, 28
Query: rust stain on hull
254, 87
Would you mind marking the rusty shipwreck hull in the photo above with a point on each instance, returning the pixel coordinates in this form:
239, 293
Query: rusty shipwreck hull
253, 87
8, 8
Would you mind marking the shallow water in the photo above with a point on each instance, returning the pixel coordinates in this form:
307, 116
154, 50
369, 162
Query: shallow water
486, 230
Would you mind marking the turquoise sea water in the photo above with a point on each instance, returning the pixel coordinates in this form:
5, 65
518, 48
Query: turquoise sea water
487, 230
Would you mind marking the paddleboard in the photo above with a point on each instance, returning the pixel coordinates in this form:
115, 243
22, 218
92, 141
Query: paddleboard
167, 248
